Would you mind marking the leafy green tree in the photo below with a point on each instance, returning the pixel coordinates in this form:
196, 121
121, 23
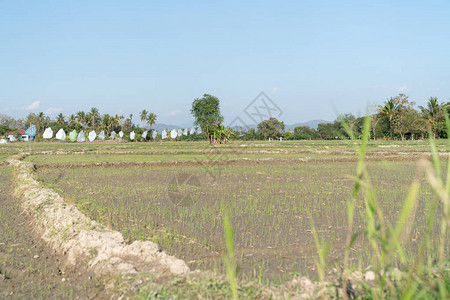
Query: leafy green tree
4, 129
271, 128
40, 120
127, 126
305, 133
288, 135
251, 135
327, 131
206, 111
351, 122
420, 127
404, 121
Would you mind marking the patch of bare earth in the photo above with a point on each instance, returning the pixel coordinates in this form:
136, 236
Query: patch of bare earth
29, 269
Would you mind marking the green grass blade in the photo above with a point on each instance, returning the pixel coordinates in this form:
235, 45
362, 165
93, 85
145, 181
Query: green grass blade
229, 259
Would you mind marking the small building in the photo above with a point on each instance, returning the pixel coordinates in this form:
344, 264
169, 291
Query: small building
12, 135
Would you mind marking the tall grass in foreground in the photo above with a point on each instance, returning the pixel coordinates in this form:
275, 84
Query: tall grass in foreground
230, 262
422, 275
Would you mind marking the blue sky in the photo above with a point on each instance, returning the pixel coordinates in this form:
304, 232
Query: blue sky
312, 58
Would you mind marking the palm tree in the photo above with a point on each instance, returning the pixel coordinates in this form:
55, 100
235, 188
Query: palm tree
81, 117
72, 119
60, 119
107, 123
432, 113
143, 115
116, 121
151, 119
390, 109
93, 117
40, 122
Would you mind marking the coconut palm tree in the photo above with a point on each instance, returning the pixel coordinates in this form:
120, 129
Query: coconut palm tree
81, 118
93, 117
151, 119
72, 119
60, 119
107, 123
432, 113
116, 121
390, 109
143, 116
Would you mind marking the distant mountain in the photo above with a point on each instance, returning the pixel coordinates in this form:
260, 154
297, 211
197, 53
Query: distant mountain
312, 124
186, 125
162, 126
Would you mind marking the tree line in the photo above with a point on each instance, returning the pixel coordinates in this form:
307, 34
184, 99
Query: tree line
396, 118
90, 120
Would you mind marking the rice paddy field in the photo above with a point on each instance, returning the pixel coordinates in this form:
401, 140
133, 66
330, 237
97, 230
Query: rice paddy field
278, 195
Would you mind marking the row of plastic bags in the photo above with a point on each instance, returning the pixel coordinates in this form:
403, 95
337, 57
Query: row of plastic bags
80, 136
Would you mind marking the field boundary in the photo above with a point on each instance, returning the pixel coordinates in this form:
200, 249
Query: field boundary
225, 162
72, 234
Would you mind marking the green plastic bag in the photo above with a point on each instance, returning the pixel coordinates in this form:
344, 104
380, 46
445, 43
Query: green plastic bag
73, 136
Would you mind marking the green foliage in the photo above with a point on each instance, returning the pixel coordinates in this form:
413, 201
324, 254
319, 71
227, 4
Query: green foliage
4, 129
288, 135
206, 111
271, 128
127, 126
151, 119
252, 135
40, 120
387, 241
222, 135
390, 109
229, 259
327, 131
305, 133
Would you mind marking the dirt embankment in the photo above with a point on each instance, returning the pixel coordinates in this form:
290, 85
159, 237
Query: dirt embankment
78, 238
29, 269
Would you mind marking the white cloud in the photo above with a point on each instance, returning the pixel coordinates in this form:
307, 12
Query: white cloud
175, 113
53, 110
275, 89
403, 89
33, 106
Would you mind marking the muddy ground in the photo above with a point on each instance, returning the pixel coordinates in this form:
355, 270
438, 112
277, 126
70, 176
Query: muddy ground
28, 268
